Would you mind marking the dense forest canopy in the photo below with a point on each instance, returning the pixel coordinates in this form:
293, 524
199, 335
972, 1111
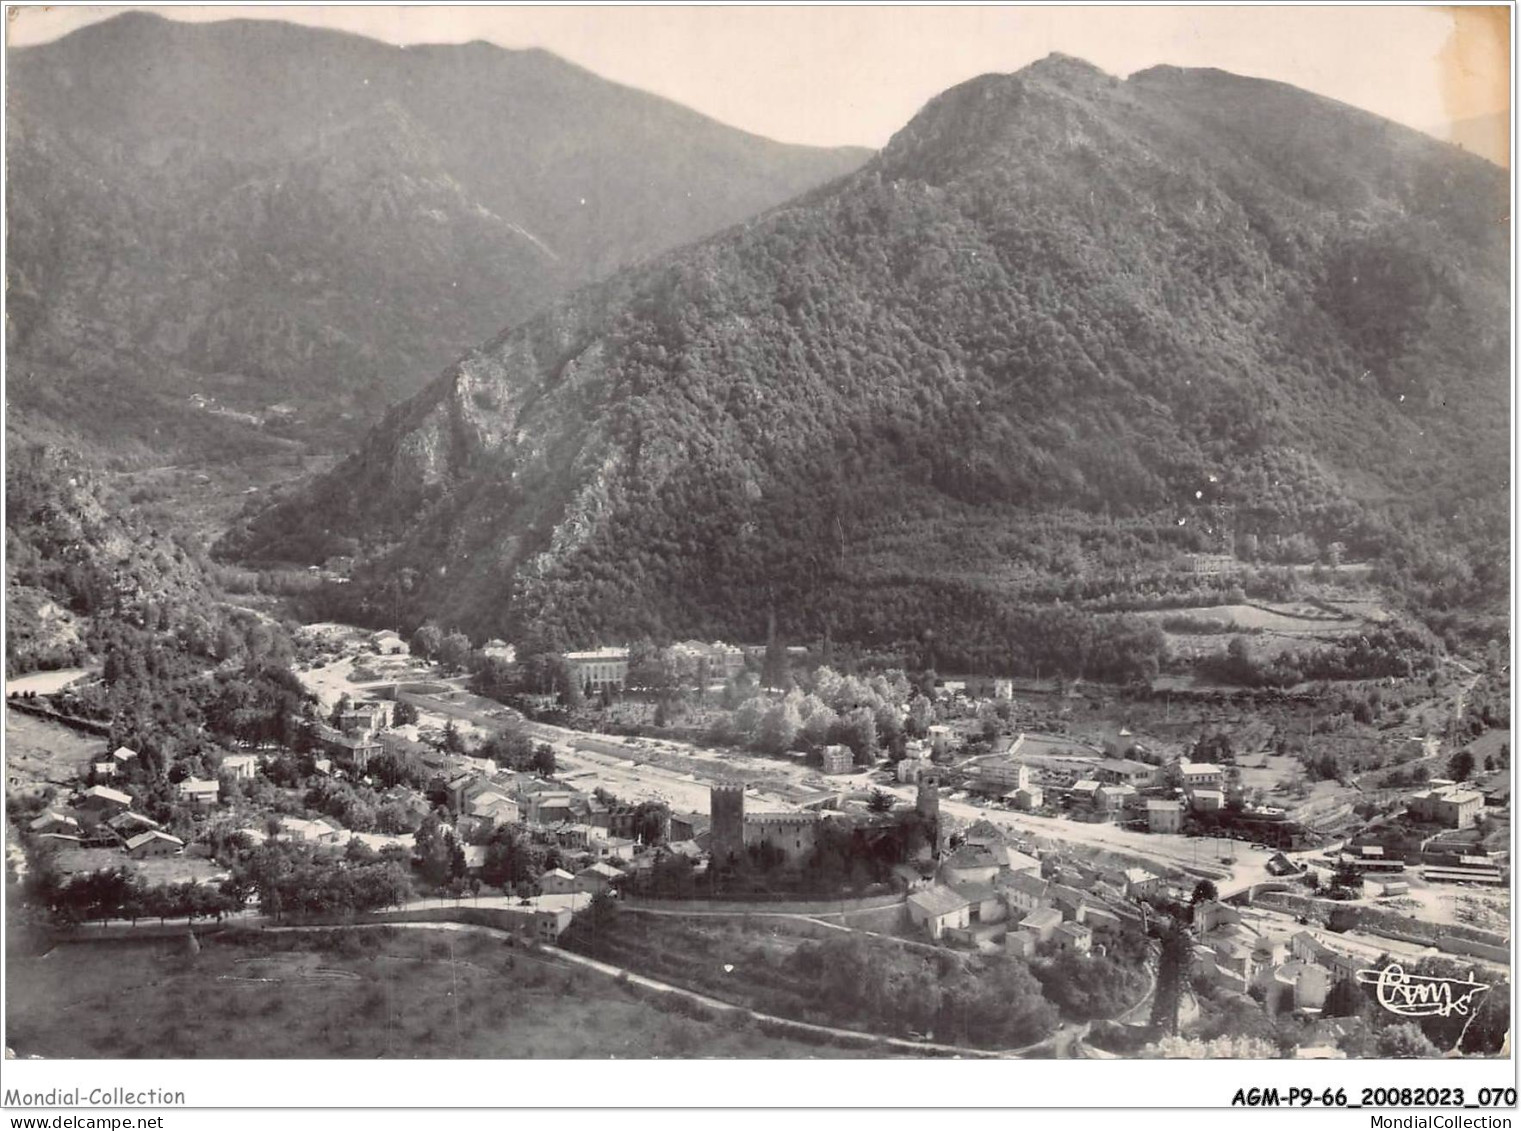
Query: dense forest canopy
1062, 330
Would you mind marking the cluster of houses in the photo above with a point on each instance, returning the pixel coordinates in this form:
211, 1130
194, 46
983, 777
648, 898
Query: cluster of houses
989, 894
1111, 789
1107, 789
598, 835
1121, 788
999, 776
580, 825
103, 817
1290, 967
357, 737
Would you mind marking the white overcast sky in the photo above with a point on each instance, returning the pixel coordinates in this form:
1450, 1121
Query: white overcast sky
854, 75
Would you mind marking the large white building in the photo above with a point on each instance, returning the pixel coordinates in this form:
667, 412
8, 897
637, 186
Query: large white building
599, 668
1452, 806
1201, 775
724, 661
838, 759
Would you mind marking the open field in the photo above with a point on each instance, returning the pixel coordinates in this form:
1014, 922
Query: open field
1305, 620
1490, 744
154, 870
38, 751
356, 994
1472, 906
1283, 782
1273, 628
45, 683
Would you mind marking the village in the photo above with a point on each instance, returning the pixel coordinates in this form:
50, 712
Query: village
982, 837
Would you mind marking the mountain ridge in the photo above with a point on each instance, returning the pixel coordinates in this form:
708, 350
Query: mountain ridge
488, 182
1052, 294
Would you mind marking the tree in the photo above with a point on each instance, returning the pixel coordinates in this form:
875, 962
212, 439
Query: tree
880, 801
1490, 1026
1346, 999
1172, 972
404, 714
394, 817
454, 651
426, 640
543, 762
392, 768
435, 851
818, 721
774, 666
1349, 880
1405, 1041
1460, 765
653, 670
599, 921
1205, 891
858, 730
572, 693
779, 727
307, 738
652, 819
921, 714
672, 876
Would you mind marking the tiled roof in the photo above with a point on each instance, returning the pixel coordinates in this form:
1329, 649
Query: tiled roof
975, 892
1041, 918
1017, 861
969, 857
152, 835
1027, 883
938, 900
606, 871
107, 794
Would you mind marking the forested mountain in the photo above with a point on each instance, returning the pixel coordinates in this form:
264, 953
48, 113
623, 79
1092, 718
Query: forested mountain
75, 560
299, 226
1062, 328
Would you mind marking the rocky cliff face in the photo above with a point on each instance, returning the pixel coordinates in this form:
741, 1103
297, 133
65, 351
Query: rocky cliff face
76, 562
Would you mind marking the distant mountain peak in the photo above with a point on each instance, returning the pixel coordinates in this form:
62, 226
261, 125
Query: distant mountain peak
982, 117
1065, 68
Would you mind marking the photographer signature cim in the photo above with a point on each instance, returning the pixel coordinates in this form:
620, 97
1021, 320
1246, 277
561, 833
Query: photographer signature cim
1419, 995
